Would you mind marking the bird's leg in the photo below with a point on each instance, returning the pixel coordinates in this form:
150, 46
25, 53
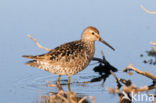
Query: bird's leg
69, 79
58, 83
69, 83
58, 79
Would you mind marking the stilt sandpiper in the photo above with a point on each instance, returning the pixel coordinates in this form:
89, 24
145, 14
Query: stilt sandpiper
69, 58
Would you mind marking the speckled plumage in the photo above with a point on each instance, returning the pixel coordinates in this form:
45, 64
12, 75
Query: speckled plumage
69, 58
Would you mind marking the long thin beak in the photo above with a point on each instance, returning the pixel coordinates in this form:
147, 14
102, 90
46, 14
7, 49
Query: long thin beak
101, 40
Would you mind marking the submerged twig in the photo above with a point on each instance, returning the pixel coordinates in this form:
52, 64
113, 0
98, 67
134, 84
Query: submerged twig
40, 46
50, 84
123, 96
65, 97
128, 87
82, 99
116, 80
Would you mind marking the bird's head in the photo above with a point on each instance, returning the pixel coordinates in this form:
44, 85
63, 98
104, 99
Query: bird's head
92, 34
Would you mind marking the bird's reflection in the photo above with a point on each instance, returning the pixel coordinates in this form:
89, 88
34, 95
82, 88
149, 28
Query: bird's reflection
62, 96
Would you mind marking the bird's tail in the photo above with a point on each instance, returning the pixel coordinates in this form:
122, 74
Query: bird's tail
31, 63
29, 56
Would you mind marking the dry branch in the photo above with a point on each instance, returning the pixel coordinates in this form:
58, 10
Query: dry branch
135, 89
82, 99
63, 98
40, 46
147, 74
128, 87
118, 86
92, 99
114, 91
123, 96
116, 80
50, 84
153, 43
147, 11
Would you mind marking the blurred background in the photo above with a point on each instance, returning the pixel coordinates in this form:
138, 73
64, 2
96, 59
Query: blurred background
123, 24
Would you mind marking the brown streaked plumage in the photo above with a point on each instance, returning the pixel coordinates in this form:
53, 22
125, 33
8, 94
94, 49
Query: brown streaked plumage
69, 58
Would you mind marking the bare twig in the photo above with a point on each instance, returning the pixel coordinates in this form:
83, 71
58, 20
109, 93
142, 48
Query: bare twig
82, 99
112, 90
153, 43
116, 80
147, 11
40, 46
63, 98
92, 99
116, 90
103, 60
50, 84
71, 97
149, 75
128, 87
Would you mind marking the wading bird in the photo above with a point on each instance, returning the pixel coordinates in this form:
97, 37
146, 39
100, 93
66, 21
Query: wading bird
69, 58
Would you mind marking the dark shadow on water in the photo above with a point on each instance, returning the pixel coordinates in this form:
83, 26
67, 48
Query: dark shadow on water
104, 72
103, 69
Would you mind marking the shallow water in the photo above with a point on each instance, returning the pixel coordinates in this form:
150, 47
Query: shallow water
121, 23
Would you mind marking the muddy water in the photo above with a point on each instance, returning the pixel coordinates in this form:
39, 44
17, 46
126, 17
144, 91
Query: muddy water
122, 24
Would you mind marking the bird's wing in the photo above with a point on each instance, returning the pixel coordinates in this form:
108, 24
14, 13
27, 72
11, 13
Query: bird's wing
63, 52
66, 51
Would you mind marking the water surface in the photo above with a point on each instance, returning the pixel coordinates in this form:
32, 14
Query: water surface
121, 23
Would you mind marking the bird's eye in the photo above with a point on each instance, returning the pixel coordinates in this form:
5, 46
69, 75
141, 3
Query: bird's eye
93, 33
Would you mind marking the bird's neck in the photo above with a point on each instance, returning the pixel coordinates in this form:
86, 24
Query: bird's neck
90, 46
88, 43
